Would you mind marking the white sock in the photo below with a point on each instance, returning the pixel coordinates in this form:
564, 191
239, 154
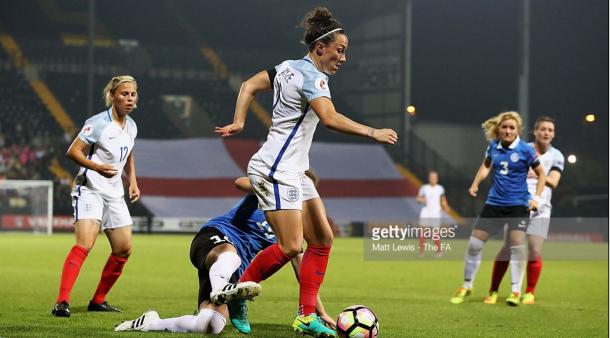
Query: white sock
222, 270
207, 321
517, 267
472, 260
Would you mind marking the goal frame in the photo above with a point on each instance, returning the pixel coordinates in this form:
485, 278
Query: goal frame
19, 184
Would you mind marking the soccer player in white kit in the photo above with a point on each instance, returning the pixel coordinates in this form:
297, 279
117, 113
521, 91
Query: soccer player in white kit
552, 161
103, 148
291, 203
432, 197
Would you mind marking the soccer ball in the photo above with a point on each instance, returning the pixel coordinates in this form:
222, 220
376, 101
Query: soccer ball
357, 321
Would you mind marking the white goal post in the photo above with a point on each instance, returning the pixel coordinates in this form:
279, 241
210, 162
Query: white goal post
26, 204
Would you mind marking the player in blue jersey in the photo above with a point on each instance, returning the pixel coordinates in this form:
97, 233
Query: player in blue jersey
508, 202
552, 161
102, 149
290, 202
221, 251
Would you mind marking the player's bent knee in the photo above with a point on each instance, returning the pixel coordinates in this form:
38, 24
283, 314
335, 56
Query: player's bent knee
123, 252
290, 252
210, 321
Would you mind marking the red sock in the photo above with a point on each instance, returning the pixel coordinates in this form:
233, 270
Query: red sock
422, 242
311, 276
72, 265
112, 272
499, 269
437, 242
265, 264
534, 268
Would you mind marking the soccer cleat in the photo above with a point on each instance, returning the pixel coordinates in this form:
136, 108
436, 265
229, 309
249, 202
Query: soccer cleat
244, 290
513, 299
492, 298
528, 299
312, 326
460, 294
139, 324
238, 313
102, 307
61, 309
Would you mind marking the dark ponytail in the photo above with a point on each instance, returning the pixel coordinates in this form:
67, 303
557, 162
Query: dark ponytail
316, 23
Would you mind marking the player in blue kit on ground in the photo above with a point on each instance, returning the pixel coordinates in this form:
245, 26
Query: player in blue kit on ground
221, 251
102, 149
508, 202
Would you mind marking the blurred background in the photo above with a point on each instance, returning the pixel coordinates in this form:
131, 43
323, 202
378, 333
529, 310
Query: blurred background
433, 70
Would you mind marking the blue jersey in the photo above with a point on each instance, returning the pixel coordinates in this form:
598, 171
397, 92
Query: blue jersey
510, 166
247, 229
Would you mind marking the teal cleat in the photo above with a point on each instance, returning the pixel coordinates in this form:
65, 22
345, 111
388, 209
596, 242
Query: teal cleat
238, 313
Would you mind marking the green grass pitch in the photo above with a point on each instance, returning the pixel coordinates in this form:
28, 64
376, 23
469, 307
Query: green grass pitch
410, 297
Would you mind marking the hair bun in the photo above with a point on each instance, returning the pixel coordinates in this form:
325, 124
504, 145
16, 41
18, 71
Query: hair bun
317, 22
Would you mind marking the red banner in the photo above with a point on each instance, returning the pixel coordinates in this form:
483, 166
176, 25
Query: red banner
27, 222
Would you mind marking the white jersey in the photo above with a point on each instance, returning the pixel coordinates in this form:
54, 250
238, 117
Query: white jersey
295, 84
552, 159
110, 144
433, 195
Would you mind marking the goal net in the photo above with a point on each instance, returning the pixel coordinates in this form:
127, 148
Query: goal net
26, 205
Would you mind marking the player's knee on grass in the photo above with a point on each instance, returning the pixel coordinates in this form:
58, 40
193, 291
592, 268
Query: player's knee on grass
210, 322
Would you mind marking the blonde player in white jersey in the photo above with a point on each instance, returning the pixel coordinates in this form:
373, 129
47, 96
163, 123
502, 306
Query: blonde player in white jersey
432, 197
291, 203
103, 148
552, 161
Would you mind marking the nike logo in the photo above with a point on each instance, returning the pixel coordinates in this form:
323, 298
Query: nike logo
302, 322
319, 273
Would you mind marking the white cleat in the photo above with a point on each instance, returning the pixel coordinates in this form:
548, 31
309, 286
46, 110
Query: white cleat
139, 324
241, 291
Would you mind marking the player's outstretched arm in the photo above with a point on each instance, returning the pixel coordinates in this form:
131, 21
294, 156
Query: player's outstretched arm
249, 88
482, 173
331, 119
76, 152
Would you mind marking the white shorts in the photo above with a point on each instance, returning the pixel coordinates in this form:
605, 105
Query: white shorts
284, 191
111, 212
539, 223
